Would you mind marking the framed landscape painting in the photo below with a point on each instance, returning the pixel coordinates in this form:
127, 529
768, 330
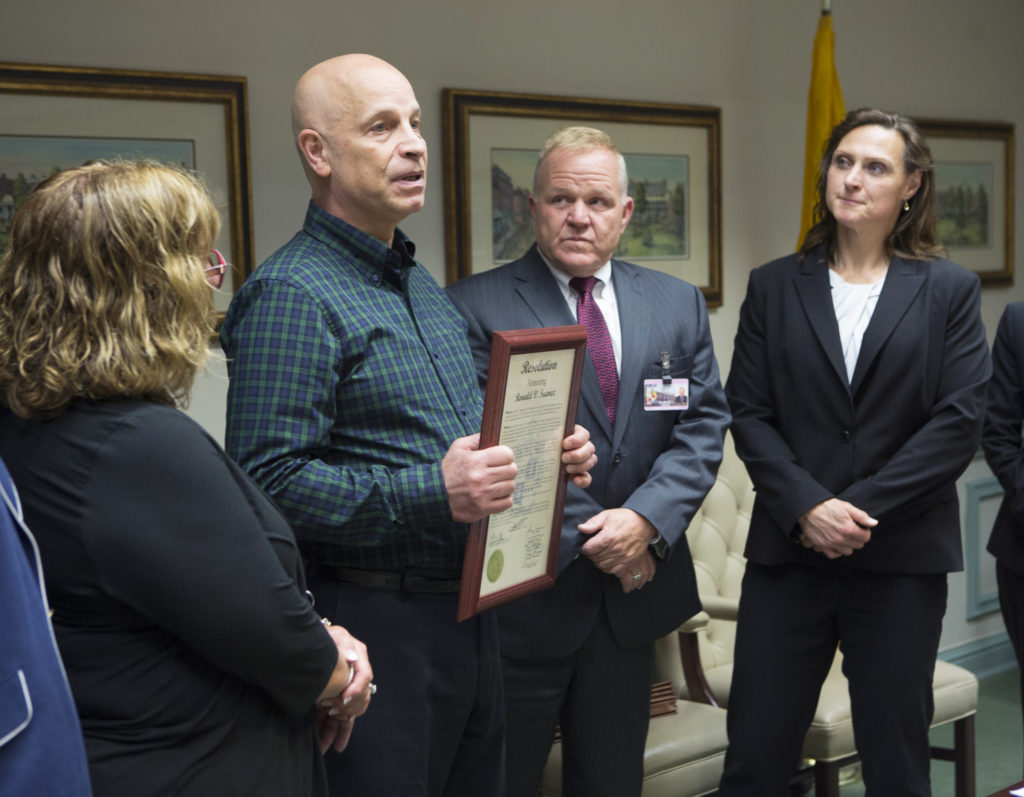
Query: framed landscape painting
672, 153
974, 176
54, 117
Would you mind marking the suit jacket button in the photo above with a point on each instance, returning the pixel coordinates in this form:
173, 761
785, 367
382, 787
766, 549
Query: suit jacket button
844, 436
617, 458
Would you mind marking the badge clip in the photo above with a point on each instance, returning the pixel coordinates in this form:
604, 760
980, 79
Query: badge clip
666, 370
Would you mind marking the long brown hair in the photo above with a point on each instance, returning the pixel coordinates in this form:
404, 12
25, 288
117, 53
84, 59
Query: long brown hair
914, 234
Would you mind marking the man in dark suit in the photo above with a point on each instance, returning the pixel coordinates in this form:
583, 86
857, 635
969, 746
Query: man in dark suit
579, 655
1001, 439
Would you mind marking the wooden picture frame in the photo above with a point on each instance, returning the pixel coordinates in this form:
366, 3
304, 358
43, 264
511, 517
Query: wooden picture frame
974, 171
82, 113
490, 144
533, 391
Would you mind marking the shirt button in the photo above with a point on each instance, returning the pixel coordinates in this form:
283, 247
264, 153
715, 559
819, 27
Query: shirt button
844, 436
375, 279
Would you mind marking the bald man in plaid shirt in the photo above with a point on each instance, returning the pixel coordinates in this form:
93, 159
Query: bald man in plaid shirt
354, 402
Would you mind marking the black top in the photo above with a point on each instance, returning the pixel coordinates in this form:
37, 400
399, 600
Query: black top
193, 654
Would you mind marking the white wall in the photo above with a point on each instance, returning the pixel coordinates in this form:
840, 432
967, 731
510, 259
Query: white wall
929, 58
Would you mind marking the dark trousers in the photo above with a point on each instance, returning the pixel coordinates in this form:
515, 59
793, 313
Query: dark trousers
791, 618
1011, 603
600, 696
434, 728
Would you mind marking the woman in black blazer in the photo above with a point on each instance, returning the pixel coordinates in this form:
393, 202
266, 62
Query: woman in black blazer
857, 389
195, 657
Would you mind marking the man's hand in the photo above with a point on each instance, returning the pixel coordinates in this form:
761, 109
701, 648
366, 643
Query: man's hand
479, 481
620, 537
633, 575
835, 528
579, 456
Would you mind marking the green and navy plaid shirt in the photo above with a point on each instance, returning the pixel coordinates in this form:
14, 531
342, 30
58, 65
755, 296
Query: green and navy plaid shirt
350, 378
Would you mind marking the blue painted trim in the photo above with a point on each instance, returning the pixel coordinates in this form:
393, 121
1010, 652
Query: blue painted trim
976, 491
984, 657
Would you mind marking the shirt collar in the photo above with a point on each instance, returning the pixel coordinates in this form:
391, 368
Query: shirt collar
365, 252
603, 274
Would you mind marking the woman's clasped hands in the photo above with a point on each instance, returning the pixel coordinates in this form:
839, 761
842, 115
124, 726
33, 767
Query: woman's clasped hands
336, 710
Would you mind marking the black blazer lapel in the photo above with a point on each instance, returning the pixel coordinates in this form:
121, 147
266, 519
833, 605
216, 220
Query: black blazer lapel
815, 294
902, 284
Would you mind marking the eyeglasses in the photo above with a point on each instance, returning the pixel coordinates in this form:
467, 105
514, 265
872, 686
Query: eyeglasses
215, 271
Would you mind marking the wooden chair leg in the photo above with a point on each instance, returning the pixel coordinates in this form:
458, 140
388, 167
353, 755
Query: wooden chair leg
826, 779
963, 744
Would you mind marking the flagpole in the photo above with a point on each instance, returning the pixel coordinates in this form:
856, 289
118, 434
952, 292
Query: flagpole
825, 109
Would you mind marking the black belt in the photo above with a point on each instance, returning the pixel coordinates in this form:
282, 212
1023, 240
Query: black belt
408, 581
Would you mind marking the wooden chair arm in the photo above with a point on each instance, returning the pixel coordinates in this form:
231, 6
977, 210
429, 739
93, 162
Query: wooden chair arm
689, 653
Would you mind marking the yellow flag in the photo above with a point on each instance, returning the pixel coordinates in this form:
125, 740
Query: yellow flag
825, 110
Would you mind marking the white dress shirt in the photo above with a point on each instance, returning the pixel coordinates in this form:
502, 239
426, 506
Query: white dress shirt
604, 296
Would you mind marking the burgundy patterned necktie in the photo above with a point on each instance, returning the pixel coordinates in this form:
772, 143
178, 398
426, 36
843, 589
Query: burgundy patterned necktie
599, 342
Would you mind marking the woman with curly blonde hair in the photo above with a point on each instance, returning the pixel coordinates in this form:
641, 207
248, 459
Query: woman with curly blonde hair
100, 297
194, 656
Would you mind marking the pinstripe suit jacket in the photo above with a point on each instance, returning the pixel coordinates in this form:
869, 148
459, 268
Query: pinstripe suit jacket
660, 464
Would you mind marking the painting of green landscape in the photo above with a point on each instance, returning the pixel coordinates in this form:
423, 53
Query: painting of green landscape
963, 192
25, 161
658, 184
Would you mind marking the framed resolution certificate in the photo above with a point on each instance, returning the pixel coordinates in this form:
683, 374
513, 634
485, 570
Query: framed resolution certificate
533, 389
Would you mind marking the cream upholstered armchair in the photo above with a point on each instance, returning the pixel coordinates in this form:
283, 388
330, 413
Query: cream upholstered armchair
683, 758
686, 750
717, 538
